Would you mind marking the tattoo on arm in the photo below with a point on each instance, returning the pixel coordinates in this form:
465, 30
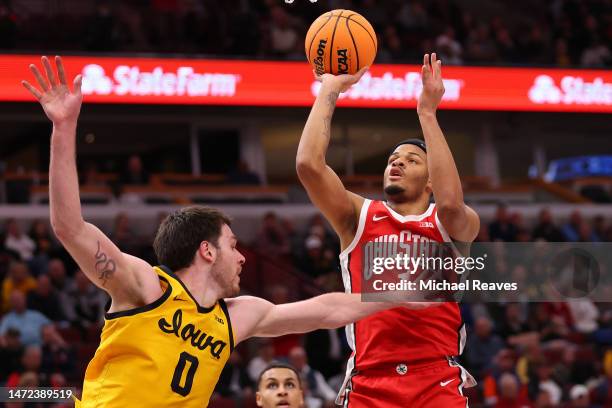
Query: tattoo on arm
331, 104
104, 266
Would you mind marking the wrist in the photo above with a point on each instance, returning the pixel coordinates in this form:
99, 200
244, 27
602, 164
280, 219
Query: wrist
65, 125
329, 87
426, 113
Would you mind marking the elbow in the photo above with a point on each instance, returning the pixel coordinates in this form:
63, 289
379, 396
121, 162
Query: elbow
66, 231
307, 168
450, 208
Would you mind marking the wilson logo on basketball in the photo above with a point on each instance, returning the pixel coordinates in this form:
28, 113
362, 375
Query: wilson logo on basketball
197, 338
318, 61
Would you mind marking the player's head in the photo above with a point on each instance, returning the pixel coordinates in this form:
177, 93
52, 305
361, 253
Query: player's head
279, 385
406, 176
201, 236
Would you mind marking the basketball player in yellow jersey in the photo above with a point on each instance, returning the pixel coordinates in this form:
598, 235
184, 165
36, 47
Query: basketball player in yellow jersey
169, 331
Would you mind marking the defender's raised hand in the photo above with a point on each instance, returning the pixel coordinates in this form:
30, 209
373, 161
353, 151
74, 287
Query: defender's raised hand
433, 87
61, 105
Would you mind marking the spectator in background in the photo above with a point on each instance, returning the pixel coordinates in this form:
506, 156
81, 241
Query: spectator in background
57, 356
540, 379
56, 270
17, 279
579, 397
450, 51
11, 351
234, 382
30, 366
596, 55
28, 322
8, 26
546, 229
314, 381
92, 177
483, 345
45, 299
272, 238
265, 357
326, 350
84, 303
599, 231
501, 228
124, 236
283, 32
103, 29
40, 234
242, 175
513, 323
584, 314
571, 230
17, 241
134, 173
510, 395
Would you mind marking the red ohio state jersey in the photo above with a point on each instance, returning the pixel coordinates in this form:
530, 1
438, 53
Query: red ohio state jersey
398, 335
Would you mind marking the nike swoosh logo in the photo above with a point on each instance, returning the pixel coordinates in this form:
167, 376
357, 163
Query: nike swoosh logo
375, 218
179, 299
445, 383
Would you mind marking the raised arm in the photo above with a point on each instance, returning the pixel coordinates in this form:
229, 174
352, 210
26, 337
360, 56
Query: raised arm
256, 317
324, 187
461, 222
130, 281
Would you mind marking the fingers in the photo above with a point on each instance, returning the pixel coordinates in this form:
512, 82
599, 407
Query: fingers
316, 76
437, 65
43, 84
60, 70
360, 73
32, 89
78, 81
49, 70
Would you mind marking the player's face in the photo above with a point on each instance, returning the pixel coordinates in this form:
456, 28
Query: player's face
228, 265
280, 388
406, 176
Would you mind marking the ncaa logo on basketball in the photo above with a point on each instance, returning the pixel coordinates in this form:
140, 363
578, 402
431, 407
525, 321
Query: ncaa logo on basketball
318, 61
342, 62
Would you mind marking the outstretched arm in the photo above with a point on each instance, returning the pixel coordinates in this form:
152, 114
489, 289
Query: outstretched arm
130, 281
461, 222
340, 207
256, 317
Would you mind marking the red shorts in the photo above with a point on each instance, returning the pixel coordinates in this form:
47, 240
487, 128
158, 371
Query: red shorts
436, 384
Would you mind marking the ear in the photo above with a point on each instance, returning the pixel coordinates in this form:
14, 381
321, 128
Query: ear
429, 187
207, 251
258, 399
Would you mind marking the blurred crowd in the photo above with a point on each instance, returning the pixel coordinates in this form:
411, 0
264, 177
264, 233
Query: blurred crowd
556, 32
545, 354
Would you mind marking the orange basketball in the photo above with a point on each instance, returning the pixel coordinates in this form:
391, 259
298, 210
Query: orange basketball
340, 42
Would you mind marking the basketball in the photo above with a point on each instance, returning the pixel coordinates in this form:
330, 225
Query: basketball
340, 42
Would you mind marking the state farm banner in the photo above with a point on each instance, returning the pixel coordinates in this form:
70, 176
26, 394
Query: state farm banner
267, 83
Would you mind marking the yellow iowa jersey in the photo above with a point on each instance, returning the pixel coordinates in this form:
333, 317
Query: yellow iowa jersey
169, 353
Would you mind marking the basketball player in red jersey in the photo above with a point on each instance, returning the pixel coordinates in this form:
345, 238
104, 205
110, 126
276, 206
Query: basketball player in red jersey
401, 358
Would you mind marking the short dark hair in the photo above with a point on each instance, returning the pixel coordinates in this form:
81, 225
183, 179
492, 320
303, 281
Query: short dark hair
416, 142
278, 365
180, 234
